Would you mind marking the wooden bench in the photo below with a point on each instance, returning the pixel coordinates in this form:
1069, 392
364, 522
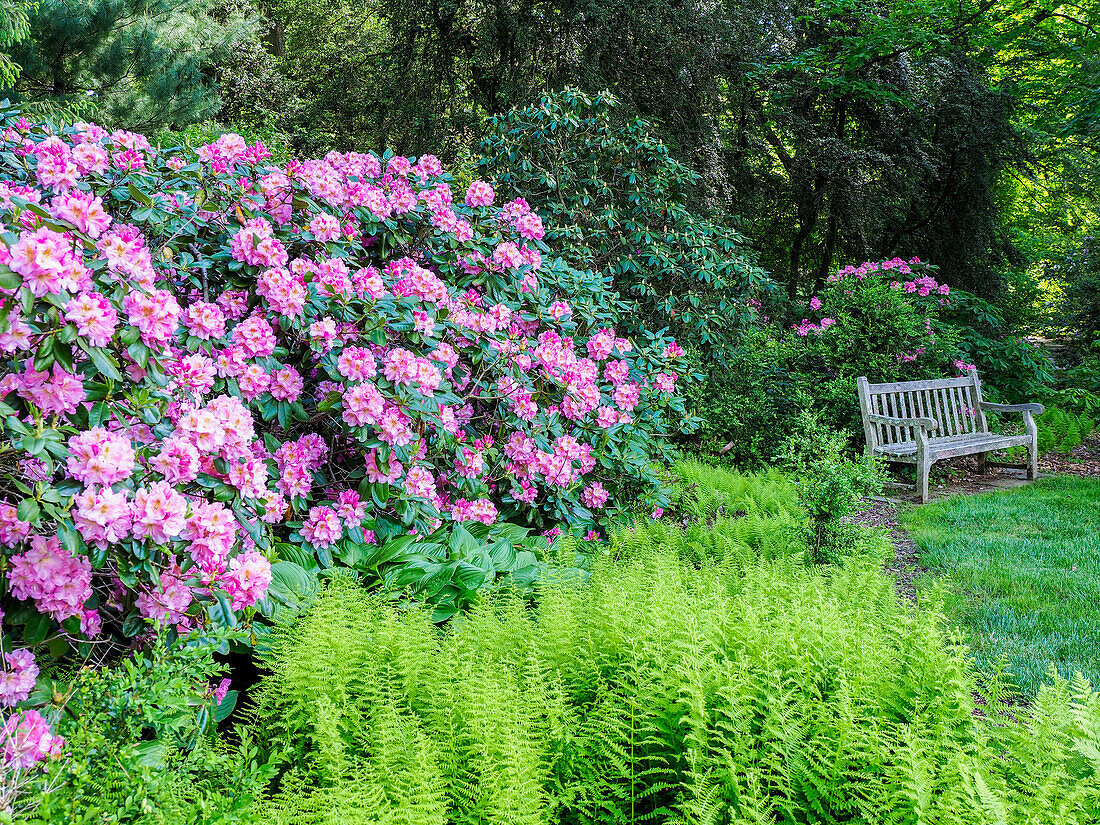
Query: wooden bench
920, 422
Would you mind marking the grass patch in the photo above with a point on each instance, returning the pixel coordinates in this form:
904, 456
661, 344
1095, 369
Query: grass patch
1023, 575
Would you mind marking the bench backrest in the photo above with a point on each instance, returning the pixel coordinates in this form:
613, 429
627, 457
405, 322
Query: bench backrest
955, 404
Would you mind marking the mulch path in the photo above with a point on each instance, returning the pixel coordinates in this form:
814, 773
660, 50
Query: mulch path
1084, 460
905, 566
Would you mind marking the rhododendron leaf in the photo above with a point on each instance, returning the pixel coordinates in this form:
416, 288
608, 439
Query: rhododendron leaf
70, 538
139, 353
28, 510
221, 611
63, 354
9, 279
104, 362
43, 356
17, 426
99, 413
224, 492
32, 444
226, 706
97, 556
36, 629
139, 196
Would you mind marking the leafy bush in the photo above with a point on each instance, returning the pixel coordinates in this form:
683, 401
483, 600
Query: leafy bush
213, 364
831, 486
736, 691
1079, 312
889, 320
139, 744
747, 399
612, 194
1018, 370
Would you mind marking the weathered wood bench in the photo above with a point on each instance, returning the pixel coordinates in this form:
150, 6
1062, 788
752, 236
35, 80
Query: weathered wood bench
920, 422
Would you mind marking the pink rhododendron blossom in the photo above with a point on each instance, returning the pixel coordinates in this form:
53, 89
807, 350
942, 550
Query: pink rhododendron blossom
204, 320
351, 508
286, 384
159, 512
98, 456
26, 739
95, 317
594, 495
322, 528
57, 391
18, 673
102, 516
479, 194
58, 582
12, 529
247, 578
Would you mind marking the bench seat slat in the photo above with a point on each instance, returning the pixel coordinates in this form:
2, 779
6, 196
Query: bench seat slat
952, 446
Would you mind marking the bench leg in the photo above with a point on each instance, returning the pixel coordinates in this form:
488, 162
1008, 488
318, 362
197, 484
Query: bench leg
1033, 447
983, 463
924, 466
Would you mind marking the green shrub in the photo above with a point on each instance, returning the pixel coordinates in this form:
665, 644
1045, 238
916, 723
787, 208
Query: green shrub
746, 399
611, 192
732, 691
831, 486
140, 746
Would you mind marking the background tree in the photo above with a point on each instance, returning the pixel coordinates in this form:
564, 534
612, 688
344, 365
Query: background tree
138, 64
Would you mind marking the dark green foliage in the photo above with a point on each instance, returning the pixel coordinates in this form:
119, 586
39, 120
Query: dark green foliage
1079, 312
140, 746
610, 192
1015, 369
737, 690
14, 27
135, 64
746, 400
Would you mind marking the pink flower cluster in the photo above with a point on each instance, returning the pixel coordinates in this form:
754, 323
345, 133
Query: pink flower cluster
26, 739
18, 674
807, 326
58, 582
875, 267
271, 346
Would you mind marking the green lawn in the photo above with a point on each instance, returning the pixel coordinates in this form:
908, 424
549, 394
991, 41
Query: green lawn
1023, 573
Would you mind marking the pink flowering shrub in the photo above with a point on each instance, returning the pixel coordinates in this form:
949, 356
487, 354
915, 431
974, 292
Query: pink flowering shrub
216, 367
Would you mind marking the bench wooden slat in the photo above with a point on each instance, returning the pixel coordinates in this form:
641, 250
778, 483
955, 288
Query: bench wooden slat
909, 386
953, 446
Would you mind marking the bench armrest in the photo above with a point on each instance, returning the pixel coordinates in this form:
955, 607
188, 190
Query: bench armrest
923, 423
1038, 409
